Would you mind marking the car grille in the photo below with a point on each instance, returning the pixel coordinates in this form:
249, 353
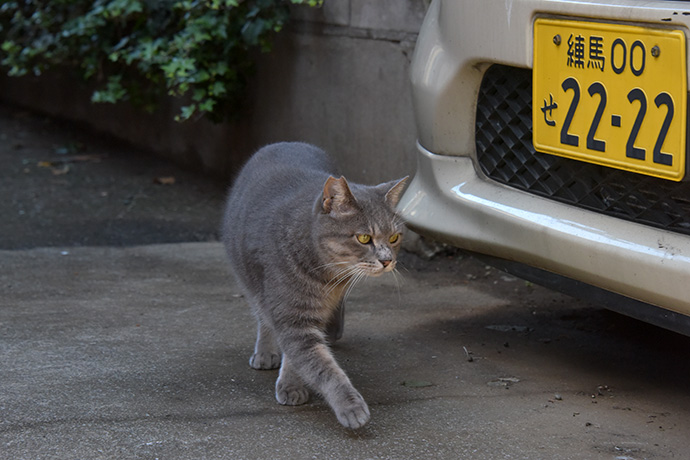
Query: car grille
506, 154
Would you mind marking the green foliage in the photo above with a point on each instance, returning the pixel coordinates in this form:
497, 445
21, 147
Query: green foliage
138, 50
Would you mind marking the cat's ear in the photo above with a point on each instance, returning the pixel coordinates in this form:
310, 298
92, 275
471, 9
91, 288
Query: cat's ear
337, 197
394, 190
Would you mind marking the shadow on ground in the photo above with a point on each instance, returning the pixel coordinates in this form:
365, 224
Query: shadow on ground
63, 185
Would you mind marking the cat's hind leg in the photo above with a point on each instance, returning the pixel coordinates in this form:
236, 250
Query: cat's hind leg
336, 325
266, 352
290, 388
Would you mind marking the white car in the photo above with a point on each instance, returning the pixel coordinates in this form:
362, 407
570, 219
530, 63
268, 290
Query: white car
553, 142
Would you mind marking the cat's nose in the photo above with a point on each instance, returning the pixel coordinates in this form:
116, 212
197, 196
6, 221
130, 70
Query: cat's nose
385, 262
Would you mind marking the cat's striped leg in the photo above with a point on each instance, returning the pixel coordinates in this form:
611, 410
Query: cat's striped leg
311, 359
266, 352
336, 325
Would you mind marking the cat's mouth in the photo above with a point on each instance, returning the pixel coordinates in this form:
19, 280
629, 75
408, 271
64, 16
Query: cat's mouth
378, 268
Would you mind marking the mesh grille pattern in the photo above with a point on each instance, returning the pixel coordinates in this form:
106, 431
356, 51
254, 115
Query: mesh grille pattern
506, 154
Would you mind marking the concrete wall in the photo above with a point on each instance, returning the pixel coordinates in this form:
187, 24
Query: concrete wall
338, 78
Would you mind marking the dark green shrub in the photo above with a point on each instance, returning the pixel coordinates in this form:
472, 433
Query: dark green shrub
139, 50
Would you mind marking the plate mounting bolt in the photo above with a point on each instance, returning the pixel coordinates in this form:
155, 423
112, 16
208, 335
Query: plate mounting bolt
656, 51
557, 39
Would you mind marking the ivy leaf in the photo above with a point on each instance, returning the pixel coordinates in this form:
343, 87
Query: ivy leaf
198, 95
251, 31
186, 112
179, 67
217, 89
113, 92
207, 105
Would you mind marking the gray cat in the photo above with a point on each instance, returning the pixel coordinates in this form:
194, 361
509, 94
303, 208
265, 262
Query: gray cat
298, 240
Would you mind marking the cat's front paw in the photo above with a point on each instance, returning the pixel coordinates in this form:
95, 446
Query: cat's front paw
290, 394
353, 413
265, 361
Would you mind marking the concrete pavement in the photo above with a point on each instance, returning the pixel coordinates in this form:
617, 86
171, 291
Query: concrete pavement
141, 353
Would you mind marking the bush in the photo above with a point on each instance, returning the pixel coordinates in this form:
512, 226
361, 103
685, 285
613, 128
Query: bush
139, 50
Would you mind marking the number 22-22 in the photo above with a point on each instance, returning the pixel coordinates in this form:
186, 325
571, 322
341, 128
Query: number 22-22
636, 94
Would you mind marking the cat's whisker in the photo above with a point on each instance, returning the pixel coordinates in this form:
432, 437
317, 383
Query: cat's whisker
330, 287
353, 281
342, 274
397, 221
355, 272
345, 274
397, 276
337, 279
347, 282
328, 265
398, 273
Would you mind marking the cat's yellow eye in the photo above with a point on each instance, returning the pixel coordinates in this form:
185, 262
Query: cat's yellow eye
364, 238
394, 239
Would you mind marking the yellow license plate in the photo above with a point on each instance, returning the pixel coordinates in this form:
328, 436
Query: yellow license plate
609, 94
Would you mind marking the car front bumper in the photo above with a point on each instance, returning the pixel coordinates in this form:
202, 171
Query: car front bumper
453, 202
449, 201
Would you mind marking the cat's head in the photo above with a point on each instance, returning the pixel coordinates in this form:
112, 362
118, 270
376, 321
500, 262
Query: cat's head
358, 230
